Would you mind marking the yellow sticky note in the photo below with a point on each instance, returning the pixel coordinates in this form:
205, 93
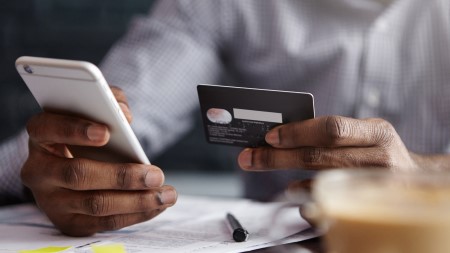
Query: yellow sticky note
110, 248
46, 250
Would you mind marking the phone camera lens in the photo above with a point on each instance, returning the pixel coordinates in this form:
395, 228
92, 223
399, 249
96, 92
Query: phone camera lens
28, 69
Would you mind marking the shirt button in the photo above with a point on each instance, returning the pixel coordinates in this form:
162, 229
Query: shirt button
373, 98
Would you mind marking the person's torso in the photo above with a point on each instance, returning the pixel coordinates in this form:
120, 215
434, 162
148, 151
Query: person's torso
359, 58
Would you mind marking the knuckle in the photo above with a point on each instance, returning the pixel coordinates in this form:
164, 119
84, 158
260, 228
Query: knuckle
74, 174
72, 127
336, 129
67, 131
124, 177
113, 222
265, 158
143, 199
310, 157
385, 132
96, 204
67, 127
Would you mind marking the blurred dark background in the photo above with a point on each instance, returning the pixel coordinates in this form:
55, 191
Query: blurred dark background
80, 30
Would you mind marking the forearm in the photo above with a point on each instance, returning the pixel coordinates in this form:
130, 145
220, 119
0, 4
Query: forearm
435, 162
159, 71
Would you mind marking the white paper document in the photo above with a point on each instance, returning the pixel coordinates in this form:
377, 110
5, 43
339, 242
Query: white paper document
194, 224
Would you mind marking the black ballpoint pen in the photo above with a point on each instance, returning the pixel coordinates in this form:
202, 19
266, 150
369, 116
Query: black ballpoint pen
239, 233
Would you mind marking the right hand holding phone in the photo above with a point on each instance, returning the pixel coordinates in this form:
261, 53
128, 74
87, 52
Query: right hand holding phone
81, 196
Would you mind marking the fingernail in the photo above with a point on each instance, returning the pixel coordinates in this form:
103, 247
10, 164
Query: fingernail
168, 196
245, 158
273, 137
153, 179
96, 133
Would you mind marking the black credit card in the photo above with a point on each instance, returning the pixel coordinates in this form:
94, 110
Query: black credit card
242, 116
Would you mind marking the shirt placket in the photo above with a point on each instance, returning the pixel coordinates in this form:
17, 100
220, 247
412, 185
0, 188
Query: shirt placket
377, 73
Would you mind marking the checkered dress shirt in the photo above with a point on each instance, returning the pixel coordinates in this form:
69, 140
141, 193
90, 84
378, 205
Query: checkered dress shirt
360, 58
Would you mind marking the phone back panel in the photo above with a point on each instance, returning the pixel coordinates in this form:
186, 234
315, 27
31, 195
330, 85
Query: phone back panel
78, 88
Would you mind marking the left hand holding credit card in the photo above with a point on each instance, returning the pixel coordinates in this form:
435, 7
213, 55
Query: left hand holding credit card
279, 131
331, 142
242, 116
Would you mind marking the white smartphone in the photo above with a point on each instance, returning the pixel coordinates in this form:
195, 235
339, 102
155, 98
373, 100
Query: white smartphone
79, 88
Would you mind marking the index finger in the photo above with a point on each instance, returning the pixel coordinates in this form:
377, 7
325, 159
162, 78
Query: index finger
331, 131
63, 129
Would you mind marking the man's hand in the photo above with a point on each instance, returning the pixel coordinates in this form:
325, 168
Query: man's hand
81, 196
330, 142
